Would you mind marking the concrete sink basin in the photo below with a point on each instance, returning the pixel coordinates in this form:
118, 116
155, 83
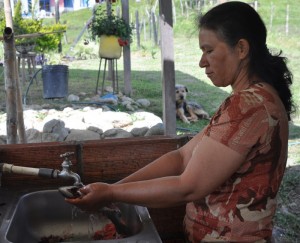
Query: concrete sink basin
44, 216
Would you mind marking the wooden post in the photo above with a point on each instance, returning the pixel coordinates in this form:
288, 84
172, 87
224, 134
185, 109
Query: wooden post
10, 87
287, 21
168, 69
126, 53
145, 30
137, 26
14, 109
57, 17
109, 75
174, 12
271, 18
155, 38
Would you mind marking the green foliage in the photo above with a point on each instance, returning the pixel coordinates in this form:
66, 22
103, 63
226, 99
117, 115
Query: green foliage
83, 52
18, 12
105, 24
2, 20
26, 26
50, 42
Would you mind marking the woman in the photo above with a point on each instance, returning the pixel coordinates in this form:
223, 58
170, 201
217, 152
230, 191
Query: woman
228, 175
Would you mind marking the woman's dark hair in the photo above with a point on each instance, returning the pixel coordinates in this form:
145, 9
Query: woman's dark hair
233, 21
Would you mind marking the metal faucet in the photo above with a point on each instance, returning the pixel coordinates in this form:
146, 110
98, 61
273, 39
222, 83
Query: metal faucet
66, 172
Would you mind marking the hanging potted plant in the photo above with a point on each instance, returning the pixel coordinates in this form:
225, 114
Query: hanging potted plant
113, 32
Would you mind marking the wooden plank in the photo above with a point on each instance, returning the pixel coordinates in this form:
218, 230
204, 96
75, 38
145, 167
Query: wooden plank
114, 161
168, 69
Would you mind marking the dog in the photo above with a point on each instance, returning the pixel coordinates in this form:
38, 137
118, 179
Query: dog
188, 111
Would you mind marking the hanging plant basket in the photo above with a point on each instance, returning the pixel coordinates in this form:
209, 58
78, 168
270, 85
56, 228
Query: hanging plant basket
109, 47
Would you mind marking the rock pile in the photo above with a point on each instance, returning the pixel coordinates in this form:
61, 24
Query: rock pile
88, 123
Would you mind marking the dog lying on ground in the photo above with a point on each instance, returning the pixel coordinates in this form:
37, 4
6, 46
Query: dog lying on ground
188, 111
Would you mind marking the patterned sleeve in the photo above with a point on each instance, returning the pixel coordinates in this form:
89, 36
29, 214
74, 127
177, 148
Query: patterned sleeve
240, 123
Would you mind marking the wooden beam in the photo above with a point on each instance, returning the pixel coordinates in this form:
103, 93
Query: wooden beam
32, 35
126, 53
168, 69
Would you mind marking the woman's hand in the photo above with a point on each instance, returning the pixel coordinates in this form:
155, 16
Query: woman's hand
95, 196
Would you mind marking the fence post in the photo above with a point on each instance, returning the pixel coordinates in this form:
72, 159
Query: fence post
145, 31
255, 5
271, 17
287, 20
137, 27
174, 12
154, 27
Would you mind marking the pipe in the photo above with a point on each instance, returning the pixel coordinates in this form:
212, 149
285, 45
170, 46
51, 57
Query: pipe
42, 172
8, 33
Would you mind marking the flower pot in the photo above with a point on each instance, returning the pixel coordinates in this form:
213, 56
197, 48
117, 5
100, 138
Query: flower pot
55, 81
109, 47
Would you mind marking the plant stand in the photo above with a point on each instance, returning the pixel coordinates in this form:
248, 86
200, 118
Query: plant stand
114, 65
30, 57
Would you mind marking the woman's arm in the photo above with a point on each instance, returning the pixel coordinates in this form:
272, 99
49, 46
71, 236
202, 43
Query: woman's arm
171, 164
209, 166
168, 164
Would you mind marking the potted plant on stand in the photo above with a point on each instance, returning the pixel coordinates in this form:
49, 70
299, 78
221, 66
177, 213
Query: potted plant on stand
112, 30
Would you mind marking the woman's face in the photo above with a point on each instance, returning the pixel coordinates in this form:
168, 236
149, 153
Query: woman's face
221, 62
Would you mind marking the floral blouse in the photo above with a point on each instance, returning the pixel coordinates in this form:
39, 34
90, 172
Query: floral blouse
252, 122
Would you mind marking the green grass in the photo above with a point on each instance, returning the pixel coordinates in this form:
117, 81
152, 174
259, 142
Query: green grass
286, 218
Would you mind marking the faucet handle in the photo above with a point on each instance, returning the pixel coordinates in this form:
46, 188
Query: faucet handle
66, 155
67, 162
